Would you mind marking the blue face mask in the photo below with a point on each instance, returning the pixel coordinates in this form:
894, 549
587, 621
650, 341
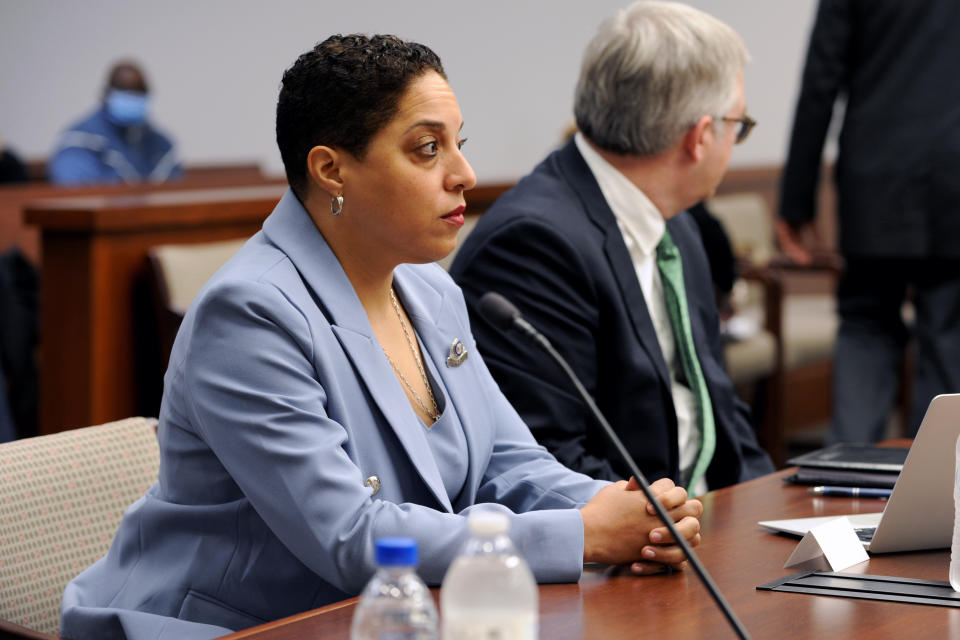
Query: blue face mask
127, 108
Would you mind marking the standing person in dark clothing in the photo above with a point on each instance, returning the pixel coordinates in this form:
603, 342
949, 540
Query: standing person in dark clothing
898, 195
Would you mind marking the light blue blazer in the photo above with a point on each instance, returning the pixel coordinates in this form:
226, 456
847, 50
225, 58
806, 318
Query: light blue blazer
278, 404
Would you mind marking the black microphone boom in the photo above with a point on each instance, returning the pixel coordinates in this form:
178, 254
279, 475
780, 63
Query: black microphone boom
503, 315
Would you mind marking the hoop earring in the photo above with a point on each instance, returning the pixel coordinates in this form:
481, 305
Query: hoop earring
336, 205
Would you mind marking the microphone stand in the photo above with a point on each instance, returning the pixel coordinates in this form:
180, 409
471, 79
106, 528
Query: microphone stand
520, 323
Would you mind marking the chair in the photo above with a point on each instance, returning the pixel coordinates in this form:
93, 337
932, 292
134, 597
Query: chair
61, 500
177, 273
803, 325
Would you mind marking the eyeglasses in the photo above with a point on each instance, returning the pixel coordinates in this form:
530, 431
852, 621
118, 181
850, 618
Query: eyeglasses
745, 126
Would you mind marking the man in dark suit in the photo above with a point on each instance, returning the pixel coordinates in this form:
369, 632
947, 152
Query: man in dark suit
586, 247
899, 198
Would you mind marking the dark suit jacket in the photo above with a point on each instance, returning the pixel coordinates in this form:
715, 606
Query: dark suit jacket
895, 62
552, 246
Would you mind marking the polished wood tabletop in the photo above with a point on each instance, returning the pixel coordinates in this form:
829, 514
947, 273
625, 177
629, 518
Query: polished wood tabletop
740, 555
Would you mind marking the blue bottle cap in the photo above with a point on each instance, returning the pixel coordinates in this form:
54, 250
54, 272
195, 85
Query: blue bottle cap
397, 552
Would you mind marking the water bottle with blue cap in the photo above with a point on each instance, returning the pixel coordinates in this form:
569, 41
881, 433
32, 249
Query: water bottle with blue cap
395, 604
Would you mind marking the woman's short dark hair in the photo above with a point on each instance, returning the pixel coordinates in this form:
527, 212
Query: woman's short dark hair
341, 93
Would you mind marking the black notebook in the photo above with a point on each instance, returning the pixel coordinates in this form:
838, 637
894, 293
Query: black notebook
862, 457
844, 478
853, 465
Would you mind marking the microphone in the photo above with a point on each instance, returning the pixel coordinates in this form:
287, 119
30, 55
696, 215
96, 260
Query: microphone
503, 315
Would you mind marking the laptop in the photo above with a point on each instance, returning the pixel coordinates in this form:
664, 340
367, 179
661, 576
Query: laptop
919, 513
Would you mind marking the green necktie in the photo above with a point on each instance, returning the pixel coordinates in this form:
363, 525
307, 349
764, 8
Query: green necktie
671, 268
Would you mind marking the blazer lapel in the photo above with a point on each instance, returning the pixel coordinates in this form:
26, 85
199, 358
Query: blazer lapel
438, 326
595, 205
292, 230
378, 376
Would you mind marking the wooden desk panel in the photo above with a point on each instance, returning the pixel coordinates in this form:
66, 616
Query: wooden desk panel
96, 361
94, 357
14, 197
739, 555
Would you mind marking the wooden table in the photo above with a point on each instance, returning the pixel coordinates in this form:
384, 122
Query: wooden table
739, 555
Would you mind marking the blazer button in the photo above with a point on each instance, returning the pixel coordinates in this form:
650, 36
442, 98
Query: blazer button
374, 483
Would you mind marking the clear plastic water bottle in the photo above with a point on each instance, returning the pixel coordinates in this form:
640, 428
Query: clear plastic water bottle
489, 591
395, 604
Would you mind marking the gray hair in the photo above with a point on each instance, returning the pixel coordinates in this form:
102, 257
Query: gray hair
653, 70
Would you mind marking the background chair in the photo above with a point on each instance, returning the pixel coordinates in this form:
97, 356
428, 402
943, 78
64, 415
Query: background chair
793, 305
177, 273
172, 276
61, 500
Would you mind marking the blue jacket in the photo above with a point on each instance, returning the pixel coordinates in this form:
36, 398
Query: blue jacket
278, 404
98, 151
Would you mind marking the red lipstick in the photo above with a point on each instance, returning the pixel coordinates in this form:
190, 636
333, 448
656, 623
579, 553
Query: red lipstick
455, 217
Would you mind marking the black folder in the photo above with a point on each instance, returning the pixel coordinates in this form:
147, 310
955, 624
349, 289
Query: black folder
863, 457
853, 465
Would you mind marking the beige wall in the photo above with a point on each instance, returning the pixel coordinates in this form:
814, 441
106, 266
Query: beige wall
215, 66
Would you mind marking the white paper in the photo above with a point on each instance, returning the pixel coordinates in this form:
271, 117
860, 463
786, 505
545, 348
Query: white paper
955, 547
831, 546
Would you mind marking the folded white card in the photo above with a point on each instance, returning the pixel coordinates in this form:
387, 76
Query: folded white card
831, 546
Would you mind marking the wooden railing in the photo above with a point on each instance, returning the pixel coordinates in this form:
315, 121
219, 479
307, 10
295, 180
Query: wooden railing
98, 360
90, 244
14, 197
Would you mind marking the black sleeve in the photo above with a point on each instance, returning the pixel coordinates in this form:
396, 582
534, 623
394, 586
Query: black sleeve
825, 75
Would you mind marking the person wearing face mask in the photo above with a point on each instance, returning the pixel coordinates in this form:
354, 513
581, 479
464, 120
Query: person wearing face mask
116, 144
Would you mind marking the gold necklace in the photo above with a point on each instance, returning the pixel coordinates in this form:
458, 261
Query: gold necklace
435, 414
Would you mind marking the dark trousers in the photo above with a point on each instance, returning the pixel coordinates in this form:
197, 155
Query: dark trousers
872, 338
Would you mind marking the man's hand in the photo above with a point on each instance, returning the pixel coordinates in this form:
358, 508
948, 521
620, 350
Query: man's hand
790, 239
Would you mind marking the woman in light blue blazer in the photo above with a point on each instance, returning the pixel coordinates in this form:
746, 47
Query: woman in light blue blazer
325, 390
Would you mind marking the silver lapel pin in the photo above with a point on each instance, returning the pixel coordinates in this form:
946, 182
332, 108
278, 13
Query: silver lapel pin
458, 353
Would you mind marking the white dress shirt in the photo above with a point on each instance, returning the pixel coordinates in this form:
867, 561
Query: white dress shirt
642, 226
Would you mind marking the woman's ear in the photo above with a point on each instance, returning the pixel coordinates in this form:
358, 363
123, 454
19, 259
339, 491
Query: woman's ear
323, 166
698, 138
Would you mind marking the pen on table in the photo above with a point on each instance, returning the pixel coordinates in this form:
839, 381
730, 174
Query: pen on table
851, 492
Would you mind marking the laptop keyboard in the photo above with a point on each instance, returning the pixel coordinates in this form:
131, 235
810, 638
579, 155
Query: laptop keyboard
865, 533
